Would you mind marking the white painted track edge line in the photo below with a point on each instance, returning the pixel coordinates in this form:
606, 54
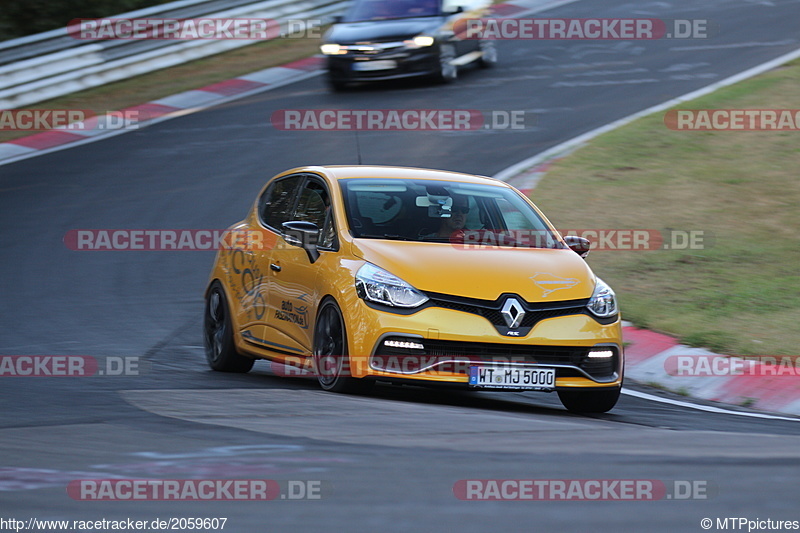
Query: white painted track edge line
511, 171
706, 408
168, 116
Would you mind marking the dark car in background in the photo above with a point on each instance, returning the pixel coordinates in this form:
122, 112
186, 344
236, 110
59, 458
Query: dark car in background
394, 39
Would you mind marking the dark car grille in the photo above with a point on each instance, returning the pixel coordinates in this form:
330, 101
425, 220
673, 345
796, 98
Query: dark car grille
373, 49
376, 51
441, 350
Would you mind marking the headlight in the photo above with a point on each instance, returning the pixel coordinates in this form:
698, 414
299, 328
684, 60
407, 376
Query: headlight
603, 302
376, 285
332, 49
420, 41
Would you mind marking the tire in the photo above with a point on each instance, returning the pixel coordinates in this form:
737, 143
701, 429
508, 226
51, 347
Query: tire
221, 351
489, 51
447, 73
589, 401
331, 357
337, 85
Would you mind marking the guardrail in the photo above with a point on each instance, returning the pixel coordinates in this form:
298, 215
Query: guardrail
52, 64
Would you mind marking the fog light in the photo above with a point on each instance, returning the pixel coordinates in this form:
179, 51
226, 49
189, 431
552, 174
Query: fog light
407, 345
600, 354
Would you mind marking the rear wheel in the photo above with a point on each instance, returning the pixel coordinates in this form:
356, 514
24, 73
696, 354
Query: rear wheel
589, 401
221, 352
331, 358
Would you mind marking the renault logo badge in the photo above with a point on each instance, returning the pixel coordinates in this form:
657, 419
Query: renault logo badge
512, 313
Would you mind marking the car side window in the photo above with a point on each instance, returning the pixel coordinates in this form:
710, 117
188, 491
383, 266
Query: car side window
314, 205
278, 201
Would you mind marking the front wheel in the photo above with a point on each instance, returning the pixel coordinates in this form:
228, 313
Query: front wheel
331, 358
488, 54
448, 72
221, 351
337, 85
589, 401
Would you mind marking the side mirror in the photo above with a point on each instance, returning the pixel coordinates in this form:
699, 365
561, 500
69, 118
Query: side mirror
336, 19
304, 235
579, 245
455, 11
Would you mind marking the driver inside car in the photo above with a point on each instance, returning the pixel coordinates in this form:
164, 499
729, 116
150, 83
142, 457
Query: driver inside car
457, 220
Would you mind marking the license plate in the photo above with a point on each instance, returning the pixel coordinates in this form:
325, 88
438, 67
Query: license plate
510, 377
385, 64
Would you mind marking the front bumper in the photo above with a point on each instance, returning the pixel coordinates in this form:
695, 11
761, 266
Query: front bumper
409, 63
438, 345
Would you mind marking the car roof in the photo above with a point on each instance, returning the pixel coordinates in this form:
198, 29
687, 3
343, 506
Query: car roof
340, 172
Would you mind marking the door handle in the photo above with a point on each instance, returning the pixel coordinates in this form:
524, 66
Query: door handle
276, 268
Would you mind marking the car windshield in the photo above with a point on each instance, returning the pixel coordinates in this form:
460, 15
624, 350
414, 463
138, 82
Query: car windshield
443, 211
366, 10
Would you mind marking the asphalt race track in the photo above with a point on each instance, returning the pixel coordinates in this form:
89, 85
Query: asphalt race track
388, 462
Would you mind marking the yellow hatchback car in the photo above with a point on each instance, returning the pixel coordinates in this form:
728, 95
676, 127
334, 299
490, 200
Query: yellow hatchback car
362, 274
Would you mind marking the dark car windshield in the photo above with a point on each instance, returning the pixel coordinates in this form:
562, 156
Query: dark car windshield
366, 10
443, 211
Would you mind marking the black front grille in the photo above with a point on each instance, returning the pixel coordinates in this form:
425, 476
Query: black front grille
372, 50
518, 353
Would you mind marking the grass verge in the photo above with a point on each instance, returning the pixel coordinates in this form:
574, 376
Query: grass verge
193, 75
740, 294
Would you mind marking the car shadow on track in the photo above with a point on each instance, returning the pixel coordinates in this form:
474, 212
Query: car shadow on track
534, 403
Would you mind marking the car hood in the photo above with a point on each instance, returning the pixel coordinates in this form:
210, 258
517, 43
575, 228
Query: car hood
381, 31
537, 275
